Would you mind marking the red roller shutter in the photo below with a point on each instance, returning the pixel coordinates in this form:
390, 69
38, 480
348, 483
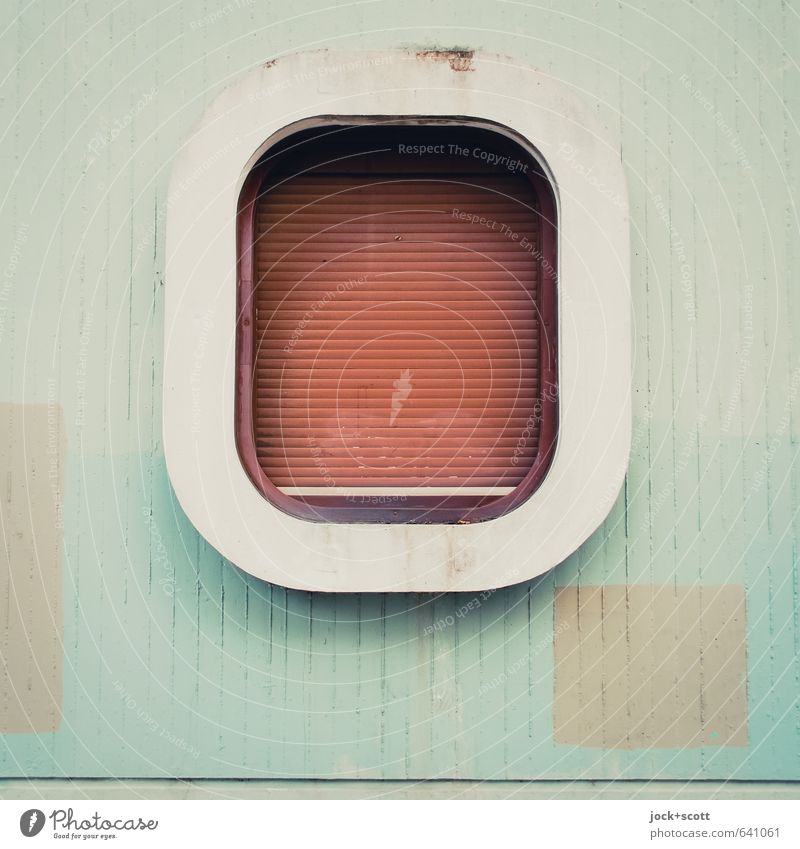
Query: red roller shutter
398, 328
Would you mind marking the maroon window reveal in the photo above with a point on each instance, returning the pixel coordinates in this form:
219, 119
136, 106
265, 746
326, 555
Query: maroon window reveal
396, 324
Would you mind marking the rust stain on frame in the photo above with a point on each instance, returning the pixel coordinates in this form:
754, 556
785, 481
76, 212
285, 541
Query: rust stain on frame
31, 530
459, 59
641, 667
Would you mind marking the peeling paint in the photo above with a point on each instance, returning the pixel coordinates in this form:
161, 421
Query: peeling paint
458, 59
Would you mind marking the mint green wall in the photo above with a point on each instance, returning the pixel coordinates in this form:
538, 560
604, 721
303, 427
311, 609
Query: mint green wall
175, 663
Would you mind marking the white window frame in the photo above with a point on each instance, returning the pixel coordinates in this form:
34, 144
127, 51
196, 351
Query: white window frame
583, 164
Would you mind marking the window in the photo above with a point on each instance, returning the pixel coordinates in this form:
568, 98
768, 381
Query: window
383, 371
396, 334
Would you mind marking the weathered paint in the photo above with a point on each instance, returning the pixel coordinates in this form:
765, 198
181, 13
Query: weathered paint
640, 667
31, 639
177, 664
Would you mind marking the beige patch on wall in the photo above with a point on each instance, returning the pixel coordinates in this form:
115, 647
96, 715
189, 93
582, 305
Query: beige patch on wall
650, 666
31, 616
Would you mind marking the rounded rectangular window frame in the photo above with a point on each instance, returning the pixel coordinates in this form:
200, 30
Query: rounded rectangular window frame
396, 509
205, 469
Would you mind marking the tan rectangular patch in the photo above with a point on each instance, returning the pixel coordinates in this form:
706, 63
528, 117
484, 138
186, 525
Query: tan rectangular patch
650, 666
31, 616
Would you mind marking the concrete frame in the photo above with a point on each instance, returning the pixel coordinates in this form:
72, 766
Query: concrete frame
583, 163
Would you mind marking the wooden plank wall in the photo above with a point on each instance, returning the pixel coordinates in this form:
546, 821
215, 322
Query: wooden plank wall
175, 663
